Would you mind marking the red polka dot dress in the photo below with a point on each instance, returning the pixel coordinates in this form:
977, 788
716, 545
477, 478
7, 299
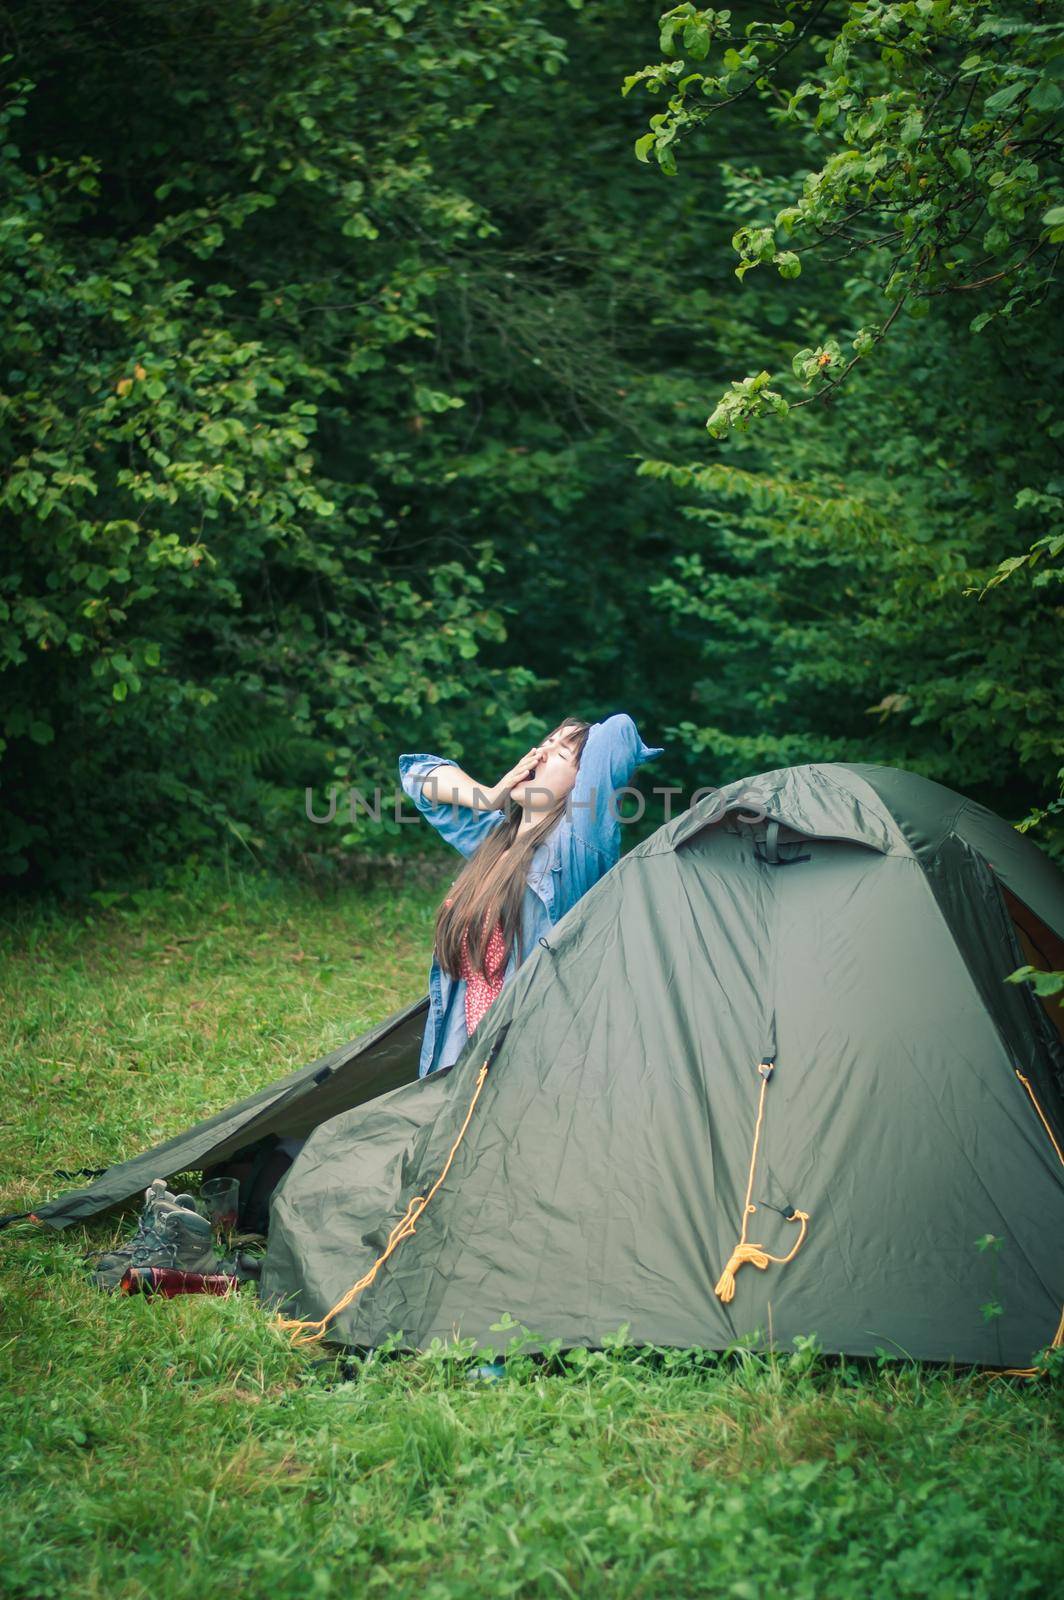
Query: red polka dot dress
483, 988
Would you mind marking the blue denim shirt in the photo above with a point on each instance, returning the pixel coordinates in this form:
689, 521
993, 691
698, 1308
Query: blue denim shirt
582, 846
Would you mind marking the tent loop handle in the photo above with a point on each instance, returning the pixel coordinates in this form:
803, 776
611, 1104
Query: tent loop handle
771, 854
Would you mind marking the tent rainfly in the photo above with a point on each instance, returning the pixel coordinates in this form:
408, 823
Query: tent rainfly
766, 1079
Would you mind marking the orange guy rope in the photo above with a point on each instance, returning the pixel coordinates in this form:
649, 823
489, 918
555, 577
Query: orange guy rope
744, 1252
1052, 1139
1058, 1338
308, 1332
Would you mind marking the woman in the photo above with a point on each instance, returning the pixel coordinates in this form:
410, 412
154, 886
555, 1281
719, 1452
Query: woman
536, 841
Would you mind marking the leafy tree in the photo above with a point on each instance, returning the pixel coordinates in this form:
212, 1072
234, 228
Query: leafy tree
354, 400
922, 202
217, 313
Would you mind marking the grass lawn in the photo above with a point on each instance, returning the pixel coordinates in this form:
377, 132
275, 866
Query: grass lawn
183, 1448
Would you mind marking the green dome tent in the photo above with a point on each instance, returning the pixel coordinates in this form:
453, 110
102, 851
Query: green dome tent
767, 1078
849, 927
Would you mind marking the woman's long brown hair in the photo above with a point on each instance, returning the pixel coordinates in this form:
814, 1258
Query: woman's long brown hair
491, 885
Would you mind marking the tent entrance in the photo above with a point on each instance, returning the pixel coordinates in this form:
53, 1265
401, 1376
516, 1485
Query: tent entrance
258, 1168
1042, 948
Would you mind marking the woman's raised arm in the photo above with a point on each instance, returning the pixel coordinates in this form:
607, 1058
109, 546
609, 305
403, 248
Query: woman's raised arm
461, 810
612, 752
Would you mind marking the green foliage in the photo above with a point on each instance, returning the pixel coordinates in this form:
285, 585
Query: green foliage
218, 328
942, 123
324, 407
1043, 983
915, 168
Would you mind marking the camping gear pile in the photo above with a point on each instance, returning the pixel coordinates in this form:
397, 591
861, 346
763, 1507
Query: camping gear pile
171, 1251
766, 1079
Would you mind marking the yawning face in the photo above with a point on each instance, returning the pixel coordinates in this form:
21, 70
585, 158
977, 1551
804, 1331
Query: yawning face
551, 777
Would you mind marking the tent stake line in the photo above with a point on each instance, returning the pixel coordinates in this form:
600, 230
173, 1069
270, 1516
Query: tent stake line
1058, 1338
309, 1332
756, 1254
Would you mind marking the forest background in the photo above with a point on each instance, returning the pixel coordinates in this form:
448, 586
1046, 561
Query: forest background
357, 366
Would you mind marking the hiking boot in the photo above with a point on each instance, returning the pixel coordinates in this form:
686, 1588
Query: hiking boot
170, 1233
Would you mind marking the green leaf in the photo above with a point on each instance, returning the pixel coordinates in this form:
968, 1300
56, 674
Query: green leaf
874, 118
912, 127
358, 226
1004, 97
1045, 96
696, 40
